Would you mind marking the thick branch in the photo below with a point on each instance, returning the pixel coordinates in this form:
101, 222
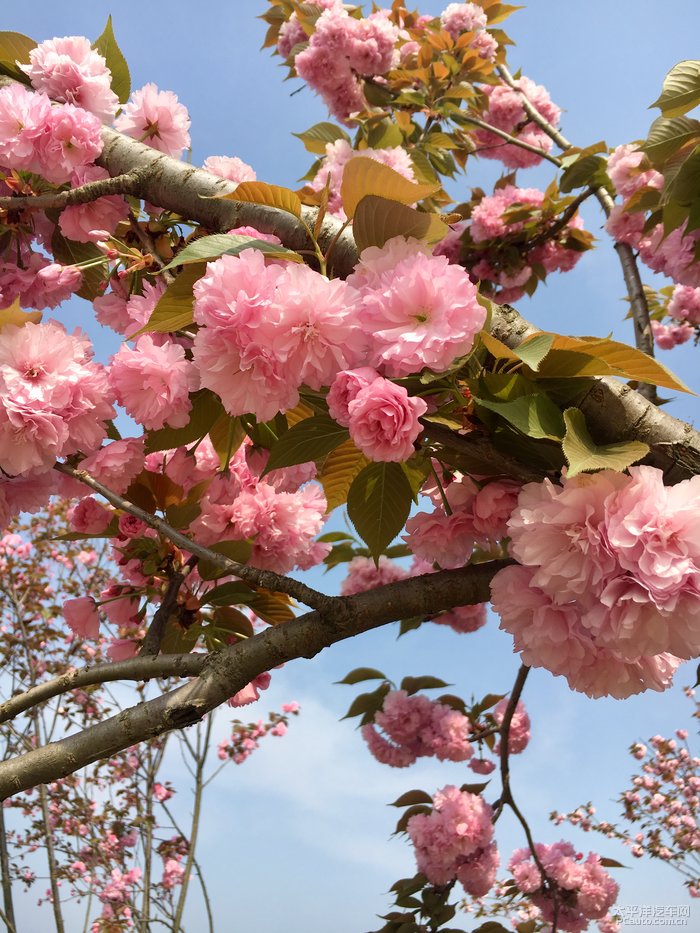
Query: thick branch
264, 578
228, 671
119, 184
615, 412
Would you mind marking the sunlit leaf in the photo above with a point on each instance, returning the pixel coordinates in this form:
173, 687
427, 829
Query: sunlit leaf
15, 47
362, 177
259, 192
583, 454
211, 247
338, 471
317, 137
378, 219
534, 415
14, 315
108, 47
174, 309
379, 502
680, 91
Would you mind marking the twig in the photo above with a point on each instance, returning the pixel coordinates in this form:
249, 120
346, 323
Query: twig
263, 578
644, 339
511, 139
91, 191
154, 635
560, 222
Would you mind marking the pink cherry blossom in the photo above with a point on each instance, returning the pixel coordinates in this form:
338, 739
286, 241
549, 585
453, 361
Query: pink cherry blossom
506, 112
88, 223
24, 121
344, 390
364, 575
519, 733
153, 382
458, 829
90, 517
156, 118
53, 400
117, 464
71, 71
231, 168
73, 138
383, 421
419, 312
81, 617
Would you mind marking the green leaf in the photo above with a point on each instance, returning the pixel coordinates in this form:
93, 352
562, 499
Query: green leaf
367, 703
174, 308
413, 684
211, 247
362, 177
308, 440
332, 536
411, 798
272, 608
234, 550
177, 639
379, 502
378, 219
680, 91
590, 170
534, 415
668, 136
183, 514
533, 350
360, 674
68, 253
206, 409
686, 184
406, 816
15, 47
583, 454
108, 47
317, 137
227, 622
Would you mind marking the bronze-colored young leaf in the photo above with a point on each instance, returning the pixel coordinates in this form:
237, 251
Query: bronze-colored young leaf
108, 47
378, 219
362, 177
15, 48
15, 316
259, 192
338, 471
584, 455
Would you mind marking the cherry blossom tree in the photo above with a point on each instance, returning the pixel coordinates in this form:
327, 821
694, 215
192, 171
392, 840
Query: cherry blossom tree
347, 345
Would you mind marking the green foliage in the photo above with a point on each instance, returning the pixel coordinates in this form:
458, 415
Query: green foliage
108, 47
379, 502
584, 455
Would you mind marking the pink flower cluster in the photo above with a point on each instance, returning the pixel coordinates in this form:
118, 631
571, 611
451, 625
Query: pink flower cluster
417, 727
684, 311
417, 310
490, 223
53, 400
589, 890
27, 493
245, 738
608, 594
519, 733
51, 141
337, 156
505, 111
454, 841
153, 381
127, 313
266, 329
458, 18
668, 336
38, 283
343, 49
281, 525
231, 168
478, 518
156, 118
69, 70
364, 574
672, 255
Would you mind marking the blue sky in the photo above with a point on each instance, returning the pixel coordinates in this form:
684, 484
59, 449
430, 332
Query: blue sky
298, 838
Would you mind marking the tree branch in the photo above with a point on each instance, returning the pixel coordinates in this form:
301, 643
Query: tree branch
263, 578
140, 668
91, 191
644, 338
229, 670
154, 635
